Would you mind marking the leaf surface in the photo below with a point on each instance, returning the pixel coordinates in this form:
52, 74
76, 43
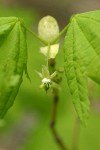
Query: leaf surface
13, 59
76, 76
82, 58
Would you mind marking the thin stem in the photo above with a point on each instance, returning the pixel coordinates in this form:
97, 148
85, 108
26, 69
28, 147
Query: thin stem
51, 65
45, 42
60, 34
53, 120
48, 53
55, 94
38, 37
75, 136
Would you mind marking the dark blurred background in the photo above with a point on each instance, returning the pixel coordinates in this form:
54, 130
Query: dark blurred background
61, 10
26, 125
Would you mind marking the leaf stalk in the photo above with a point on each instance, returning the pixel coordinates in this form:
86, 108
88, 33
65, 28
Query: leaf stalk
45, 42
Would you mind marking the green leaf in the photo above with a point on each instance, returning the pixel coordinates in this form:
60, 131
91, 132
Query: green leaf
82, 57
13, 59
87, 39
76, 75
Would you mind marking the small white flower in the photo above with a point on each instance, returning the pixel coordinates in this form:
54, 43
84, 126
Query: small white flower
46, 81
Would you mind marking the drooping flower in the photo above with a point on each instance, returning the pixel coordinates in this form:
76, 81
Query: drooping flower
47, 79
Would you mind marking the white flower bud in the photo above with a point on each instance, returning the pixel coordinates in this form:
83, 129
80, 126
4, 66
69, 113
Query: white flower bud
48, 28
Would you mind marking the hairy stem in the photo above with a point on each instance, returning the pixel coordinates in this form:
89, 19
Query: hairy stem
75, 136
51, 63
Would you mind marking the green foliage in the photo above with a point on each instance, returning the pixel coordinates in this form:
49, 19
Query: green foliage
13, 57
82, 57
76, 76
81, 53
32, 99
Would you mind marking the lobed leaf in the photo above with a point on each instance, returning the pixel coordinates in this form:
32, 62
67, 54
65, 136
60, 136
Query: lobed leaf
13, 59
87, 32
76, 75
82, 57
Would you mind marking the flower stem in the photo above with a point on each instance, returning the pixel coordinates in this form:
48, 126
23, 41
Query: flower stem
55, 94
53, 121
